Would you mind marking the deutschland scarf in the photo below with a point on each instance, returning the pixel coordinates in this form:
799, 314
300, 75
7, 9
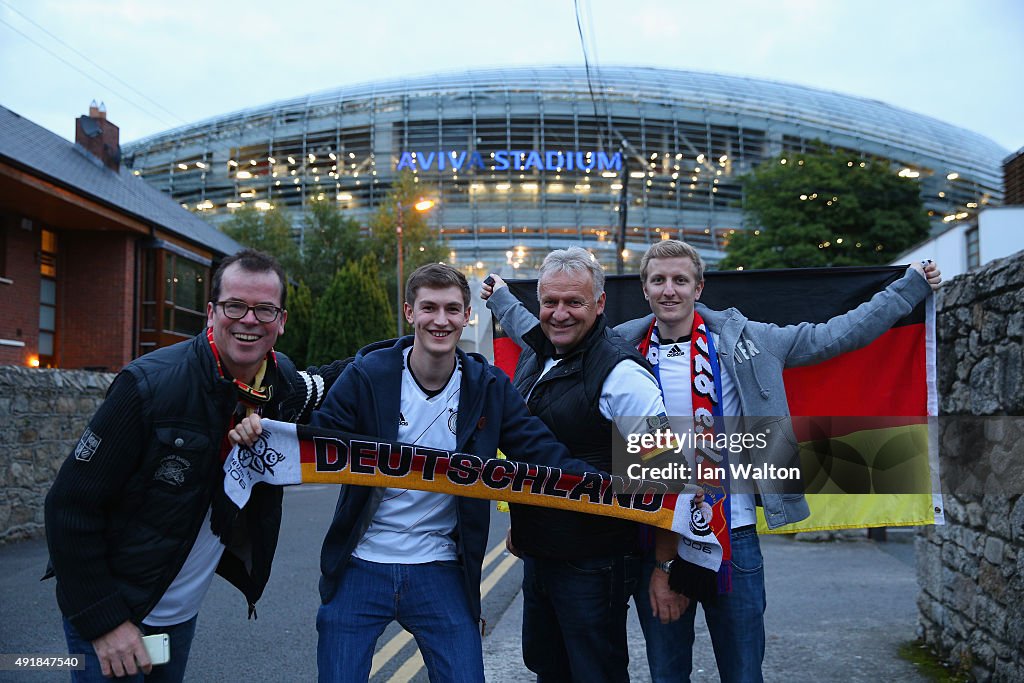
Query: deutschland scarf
287, 454
695, 574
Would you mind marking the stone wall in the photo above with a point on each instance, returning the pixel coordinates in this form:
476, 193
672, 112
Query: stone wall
971, 570
42, 415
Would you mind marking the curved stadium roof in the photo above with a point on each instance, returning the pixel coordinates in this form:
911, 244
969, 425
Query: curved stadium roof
861, 119
271, 156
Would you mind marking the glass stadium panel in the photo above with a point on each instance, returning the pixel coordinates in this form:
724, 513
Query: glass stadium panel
506, 150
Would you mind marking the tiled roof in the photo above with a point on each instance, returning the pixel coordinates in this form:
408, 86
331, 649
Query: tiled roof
47, 155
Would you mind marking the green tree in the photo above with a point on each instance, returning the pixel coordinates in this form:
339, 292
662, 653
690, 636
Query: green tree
826, 208
295, 341
420, 244
269, 231
331, 240
352, 312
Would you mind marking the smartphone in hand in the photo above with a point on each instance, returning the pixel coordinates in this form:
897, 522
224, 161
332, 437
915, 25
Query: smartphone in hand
158, 646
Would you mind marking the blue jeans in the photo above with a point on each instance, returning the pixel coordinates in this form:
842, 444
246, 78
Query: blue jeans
736, 622
574, 618
428, 600
171, 672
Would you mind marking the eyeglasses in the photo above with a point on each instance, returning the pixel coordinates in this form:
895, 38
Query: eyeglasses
236, 310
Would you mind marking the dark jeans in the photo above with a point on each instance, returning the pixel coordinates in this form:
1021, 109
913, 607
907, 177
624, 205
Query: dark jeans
428, 600
171, 672
574, 618
735, 623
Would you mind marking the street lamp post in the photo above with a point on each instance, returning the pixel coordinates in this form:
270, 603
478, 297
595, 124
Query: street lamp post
421, 206
398, 286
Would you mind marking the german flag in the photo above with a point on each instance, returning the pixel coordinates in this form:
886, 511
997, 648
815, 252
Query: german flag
867, 455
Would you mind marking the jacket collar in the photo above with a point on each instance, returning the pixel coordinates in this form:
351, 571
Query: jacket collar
382, 363
721, 322
211, 378
388, 358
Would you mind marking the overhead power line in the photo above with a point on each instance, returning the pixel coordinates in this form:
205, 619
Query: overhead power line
586, 66
91, 62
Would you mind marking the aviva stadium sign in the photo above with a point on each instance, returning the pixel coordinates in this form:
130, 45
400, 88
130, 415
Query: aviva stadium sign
509, 159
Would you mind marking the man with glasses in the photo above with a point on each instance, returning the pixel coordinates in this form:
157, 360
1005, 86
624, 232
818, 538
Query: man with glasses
137, 521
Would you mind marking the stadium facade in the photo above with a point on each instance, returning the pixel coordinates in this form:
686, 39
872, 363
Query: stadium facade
524, 160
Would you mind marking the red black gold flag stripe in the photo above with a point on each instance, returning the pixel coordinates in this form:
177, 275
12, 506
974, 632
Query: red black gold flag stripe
854, 403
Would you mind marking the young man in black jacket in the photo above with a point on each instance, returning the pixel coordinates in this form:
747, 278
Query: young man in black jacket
137, 521
414, 556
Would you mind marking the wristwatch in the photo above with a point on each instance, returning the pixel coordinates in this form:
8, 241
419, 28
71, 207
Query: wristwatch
666, 566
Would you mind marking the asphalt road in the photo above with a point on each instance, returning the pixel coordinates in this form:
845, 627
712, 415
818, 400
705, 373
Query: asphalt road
280, 645
836, 611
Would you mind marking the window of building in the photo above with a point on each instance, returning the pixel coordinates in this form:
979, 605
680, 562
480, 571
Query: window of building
973, 248
175, 290
47, 298
184, 295
3, 253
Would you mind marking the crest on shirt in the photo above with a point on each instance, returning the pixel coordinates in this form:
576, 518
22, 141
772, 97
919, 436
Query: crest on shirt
172, 470
453, 416
87, 446
260, 457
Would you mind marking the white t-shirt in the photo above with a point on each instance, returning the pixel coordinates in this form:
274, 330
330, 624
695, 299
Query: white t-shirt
674, 370
181, 601
415, 527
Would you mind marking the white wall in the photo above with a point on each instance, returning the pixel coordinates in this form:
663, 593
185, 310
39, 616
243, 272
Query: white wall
476, 338
1000, 232
948, 250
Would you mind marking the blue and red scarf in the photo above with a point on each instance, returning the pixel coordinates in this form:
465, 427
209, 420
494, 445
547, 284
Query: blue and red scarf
701, 575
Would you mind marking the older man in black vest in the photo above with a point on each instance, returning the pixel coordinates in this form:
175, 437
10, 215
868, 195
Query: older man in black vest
577, 376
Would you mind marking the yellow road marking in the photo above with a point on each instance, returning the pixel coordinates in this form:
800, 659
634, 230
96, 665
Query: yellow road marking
492, 555
400, 639
494, 577
414, 664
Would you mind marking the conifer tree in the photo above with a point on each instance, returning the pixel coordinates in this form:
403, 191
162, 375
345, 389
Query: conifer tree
295, 341
352, 312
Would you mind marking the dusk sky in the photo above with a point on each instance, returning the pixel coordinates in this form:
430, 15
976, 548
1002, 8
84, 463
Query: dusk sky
158, 65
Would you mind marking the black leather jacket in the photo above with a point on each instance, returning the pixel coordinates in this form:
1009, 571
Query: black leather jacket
128, 503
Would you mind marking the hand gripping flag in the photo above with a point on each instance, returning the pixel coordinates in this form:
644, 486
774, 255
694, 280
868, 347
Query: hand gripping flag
863, 419
287, 454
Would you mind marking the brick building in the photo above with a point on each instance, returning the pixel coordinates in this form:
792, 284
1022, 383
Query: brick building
96, 266
1013, 177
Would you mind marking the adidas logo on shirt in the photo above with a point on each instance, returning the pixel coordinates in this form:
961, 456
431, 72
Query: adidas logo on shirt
402, 422
674, 352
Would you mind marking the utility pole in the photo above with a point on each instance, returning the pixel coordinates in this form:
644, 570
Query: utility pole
620, 238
